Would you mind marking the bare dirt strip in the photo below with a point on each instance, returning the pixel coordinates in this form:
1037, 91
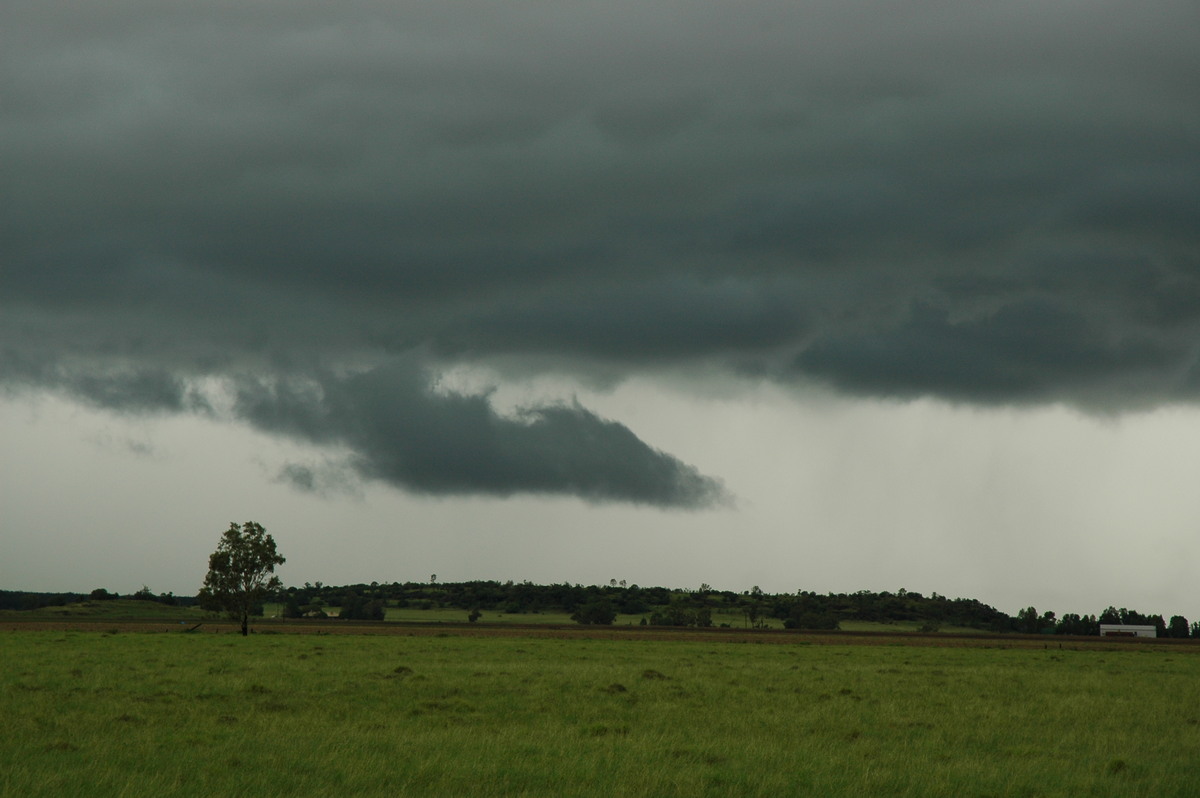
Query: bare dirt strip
574, 631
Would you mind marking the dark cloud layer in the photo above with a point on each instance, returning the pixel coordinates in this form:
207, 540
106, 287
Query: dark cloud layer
993, 204
402, 433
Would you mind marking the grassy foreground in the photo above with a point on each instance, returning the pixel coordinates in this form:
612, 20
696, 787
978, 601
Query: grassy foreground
283, 715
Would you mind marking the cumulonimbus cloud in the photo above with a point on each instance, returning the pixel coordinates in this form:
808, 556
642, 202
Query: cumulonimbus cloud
990, 205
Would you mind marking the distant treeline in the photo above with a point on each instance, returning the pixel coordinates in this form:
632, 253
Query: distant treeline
18, 600
1029, 621
659, 606
673, 607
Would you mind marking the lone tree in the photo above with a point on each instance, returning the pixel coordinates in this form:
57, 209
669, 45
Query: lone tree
237, 579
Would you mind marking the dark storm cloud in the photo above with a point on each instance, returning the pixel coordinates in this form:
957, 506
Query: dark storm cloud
1002, 354
988, 203
437, 442
123, 389
647, 320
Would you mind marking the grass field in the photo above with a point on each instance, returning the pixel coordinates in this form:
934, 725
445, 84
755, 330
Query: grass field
99, 714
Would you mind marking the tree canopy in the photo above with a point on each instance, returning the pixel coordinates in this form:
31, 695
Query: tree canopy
241, 572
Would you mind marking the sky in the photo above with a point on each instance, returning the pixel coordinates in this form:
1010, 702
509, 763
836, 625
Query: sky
804, 295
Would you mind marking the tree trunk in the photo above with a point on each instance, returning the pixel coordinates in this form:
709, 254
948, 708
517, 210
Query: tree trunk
245, 625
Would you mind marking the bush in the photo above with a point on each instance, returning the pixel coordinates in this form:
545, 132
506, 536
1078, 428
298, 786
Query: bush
811, 620
600, 611
357, 608
678, 614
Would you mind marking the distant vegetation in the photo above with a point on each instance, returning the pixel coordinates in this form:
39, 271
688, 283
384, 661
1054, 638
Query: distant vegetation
654, 606
21, 600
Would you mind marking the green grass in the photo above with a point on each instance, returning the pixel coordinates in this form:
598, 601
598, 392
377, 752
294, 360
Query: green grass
905, 626
450, 615
441, 715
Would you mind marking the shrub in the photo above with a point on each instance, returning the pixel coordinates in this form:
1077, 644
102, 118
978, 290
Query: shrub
600, 611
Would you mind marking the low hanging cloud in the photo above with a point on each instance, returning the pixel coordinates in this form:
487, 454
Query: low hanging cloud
985, 204
1002, 356
402, 433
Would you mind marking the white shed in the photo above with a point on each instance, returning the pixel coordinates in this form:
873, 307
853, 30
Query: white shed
1126, 630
